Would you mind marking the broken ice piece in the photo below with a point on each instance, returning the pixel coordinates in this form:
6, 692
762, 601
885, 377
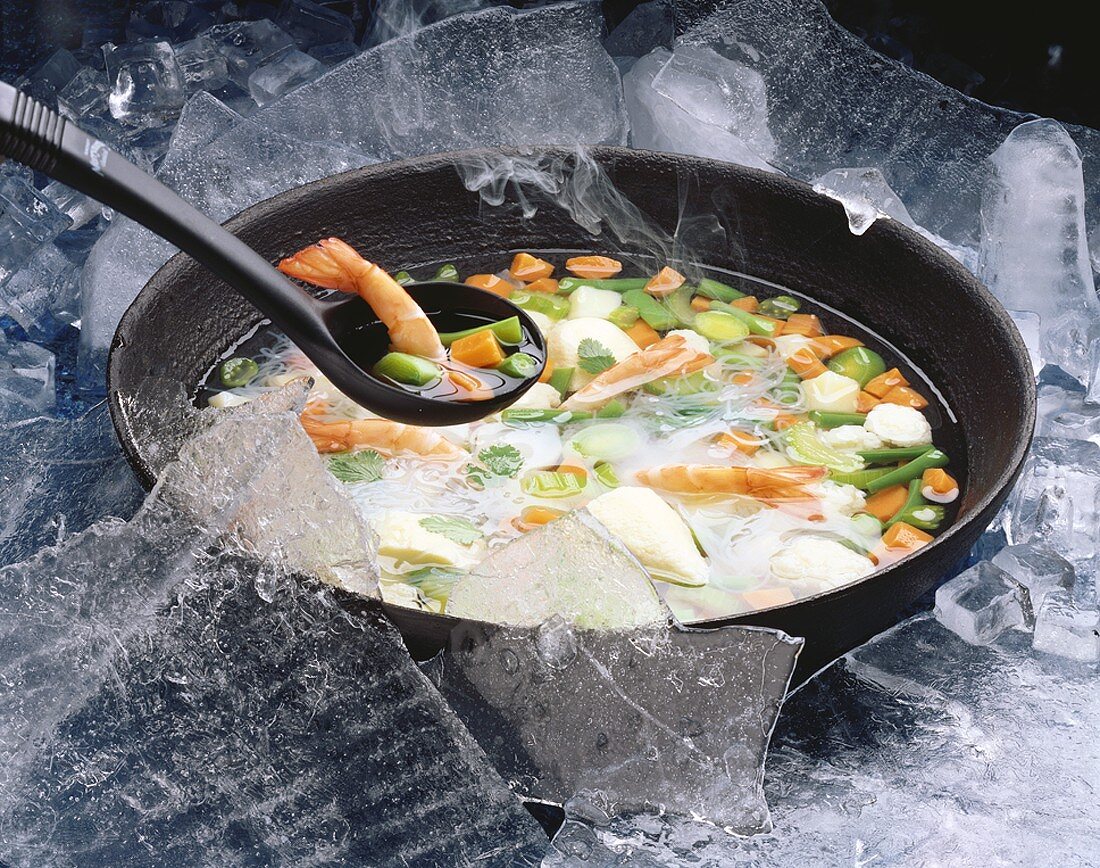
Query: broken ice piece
248, 45
202, 65
46, 78
647, 718
26, 380
43, 296
146, 83
312, 24
1067, 628
981, 603
84, 96
1037, 567
865, 195
28, 221
292, 70
572, 568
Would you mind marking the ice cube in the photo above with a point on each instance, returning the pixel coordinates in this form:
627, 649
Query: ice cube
28, 221
571, 567
694, 101
202, 65
333, 52
169, 20
1034, 251
80, 209
47, 77
982, 602
670, 719
147, 87
248, 45
311, 24
43, 296
470, 80
292, 70
1068, 628
84, 96
1037, 567
26, 380
1030, 326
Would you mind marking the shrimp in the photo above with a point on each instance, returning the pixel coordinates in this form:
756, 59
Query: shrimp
670, 355
334, 264
389, 438
768, 484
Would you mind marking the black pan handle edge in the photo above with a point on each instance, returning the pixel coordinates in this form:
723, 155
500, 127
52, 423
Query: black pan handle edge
34, 135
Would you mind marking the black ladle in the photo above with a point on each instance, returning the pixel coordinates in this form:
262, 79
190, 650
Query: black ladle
325, 329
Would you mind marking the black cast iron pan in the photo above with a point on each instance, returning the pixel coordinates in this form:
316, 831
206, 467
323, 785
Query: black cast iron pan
907, 291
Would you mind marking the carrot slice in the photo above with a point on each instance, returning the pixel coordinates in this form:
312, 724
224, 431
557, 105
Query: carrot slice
490, 282
577, 470
479, 350
906, 397
643, 334
700, 304
939, 480
884, 505
865, 402
804, 363
543, 284
535, 516
803, 324
785, 420
594, 267
750, 303
904, 536
883, 383
664, 282
742, 378
528, 267
765, 598
742, 441
827, 346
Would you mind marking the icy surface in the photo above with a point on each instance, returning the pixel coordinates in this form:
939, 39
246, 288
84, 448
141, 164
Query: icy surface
917, 749
572, 568
980, 603
624, 721
272, 80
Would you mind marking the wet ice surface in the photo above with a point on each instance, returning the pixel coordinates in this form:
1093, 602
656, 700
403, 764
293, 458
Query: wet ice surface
619, 721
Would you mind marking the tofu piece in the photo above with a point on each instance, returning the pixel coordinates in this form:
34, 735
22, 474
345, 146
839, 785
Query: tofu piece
839, 496
820, 559
402, 537
653, 532
788, 345
831, 393
692, 338
899, 426
227, 399
541, 396
566, 337
544, 323
587, 301
850, 438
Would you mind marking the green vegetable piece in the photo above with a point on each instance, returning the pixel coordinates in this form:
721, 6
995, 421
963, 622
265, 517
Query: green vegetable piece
717, 290
403, 277
692, 384
407, 369
679, 305
656, 315
805, 447
553, 306
893, 455
859, 478
932, 457
453, 527
618, 284
523, 415
502, 459
446, 272
611, 410
519, 365
364, 466
757, 325
237, 372
560, 379
609, 441
434, 582
716, 325
508, 331
780, 307
552, 483
917, 511
859, 363
867, 525
624, 316
593, 356
834, 420
787, 391
605, 475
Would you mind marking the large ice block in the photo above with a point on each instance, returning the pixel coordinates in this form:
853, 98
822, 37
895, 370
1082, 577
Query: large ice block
630, 720
982, 602
572, 568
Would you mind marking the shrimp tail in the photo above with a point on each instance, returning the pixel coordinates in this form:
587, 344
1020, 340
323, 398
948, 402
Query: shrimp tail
330, 263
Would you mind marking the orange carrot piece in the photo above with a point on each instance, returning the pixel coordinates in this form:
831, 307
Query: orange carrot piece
865, 402
479, 350
543, 284
827, 346
742, 378
594, 267
803, 324
535, 516
643, 334
906, 397
528, 267
490, 282
939, 480
785, 420
742, 441
904, 536
700, 304
804, 363
547, 370
884, 504
750, 303
883, 383
464, 381
765, 598
665, 282
577, 470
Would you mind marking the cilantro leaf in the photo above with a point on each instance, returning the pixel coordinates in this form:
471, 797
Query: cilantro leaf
365, 466
594, 357
455, 528
502, 460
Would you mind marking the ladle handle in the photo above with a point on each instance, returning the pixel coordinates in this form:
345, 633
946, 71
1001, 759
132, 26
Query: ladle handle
34, 135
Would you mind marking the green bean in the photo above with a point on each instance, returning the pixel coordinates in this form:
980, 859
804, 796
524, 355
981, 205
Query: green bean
605, 474
553, 306
917, 511
446, 272
835, 420
893, 455
780, 307
679, 304
610, 410
624, 316
519, 365
859, 478
403, 277
859, 363
237, 371
717, 290
757, 325
560, 378
551, 483
618, 284
652, 311
933, 457
411, 370
509, 331
717, 325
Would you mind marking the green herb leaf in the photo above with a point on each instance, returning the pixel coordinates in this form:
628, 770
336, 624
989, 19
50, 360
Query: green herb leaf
593, 356
455, 528
502, 460
365, 466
